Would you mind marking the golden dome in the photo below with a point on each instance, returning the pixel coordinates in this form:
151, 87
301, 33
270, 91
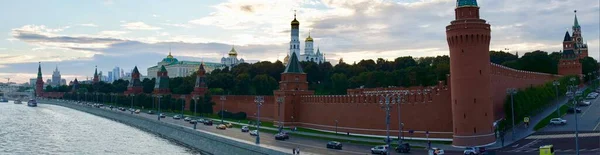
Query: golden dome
309, 38
295, 22
169, 56
286, 59
233, 52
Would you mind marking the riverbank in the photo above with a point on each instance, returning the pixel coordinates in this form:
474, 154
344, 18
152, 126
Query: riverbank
204, 142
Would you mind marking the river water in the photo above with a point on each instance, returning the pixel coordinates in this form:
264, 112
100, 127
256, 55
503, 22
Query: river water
50, 129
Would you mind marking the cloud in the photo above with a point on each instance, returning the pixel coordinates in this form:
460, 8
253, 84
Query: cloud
154, 15
89, 25
139, 26
112, 33
178, 25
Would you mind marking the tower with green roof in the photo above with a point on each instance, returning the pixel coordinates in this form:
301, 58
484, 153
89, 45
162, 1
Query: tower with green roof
162, 81
96, 78
292, 86
135, 84
39, 83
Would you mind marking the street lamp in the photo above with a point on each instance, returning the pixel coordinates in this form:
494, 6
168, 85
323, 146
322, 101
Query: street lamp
130, 108
280, 100
159, 96
196, 97
512, 92
222, 98
96, 96
336, 125
556, 84
576, 97
182, 104
399, 100
259, 101
385, 101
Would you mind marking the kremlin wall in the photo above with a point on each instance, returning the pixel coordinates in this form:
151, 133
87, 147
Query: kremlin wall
462, 110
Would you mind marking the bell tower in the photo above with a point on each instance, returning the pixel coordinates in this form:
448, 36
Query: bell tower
468, 39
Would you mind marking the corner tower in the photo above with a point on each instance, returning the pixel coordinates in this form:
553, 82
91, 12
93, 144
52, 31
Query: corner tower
162, 81
468, 39
200, 87
135, 84
292, 86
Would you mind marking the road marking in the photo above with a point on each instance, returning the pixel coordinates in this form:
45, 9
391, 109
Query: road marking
596, 126
589, 107
594, 134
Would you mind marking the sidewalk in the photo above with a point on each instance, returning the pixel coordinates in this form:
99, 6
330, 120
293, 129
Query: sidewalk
521, 131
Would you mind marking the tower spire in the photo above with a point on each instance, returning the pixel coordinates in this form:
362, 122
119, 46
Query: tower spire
39, 74
575, 23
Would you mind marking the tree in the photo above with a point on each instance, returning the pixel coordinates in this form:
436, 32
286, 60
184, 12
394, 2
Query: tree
243, 86
340, 83
264, 84
589, 65
148, 85
499, 57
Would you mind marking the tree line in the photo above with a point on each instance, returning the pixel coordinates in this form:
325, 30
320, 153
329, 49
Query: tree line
263, 77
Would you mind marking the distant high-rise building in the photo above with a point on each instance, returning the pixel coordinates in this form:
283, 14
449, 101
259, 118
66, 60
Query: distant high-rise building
110, 76
55, 78
116, 73
63, 82
32, 81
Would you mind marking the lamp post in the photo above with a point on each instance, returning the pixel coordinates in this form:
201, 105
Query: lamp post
399, 100
336, 125
512, 92
222, 98
182, 104
385, 101
196, 97
280, 100
259, 101
130, 108
556, 84
96, 96
159, 96
576, 97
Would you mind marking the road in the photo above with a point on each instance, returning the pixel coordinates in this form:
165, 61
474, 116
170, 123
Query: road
306, 145
563, 142
589, 119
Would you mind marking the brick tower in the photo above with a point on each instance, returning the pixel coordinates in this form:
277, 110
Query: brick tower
162, 82
200, 88
292, 86
135, 85
569, 61
96, 78
39, 83
75, 86
468, 39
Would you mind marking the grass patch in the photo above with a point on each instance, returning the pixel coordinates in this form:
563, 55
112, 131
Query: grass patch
544, 122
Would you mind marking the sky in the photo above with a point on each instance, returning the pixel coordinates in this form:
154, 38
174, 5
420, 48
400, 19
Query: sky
77, 35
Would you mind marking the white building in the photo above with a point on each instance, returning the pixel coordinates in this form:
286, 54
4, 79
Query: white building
176, 68
55, 78
232, 59
309, 54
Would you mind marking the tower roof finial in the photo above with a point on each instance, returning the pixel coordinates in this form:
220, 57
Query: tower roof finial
575, 23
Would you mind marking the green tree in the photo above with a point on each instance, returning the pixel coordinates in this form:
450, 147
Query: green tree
340, 83
264, 84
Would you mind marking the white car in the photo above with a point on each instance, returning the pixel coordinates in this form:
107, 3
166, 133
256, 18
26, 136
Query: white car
558, 121
177, 117
381, 149
584, 103
471, 151
187, 119
253, 132
437, 151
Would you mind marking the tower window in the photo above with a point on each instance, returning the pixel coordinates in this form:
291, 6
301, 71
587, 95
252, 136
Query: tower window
479, 72
474, 130
464, 115
454, 102
474, 100
486, 114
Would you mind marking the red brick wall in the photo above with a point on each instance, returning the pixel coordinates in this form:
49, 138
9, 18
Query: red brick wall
245, 103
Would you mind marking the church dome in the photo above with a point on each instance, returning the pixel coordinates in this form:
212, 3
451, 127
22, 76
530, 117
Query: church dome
286, 59
309, 39
233, 52
170, 59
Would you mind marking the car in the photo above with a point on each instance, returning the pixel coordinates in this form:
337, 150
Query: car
573, 110
221, 126
137, 111
150, 112
110, 107
334, 145
404, 148
177, 117
584, 103
245, 129
380, 149
208, 122
228, 125
187, 119
253, 133
193, 121
282, 136
437, 151
162, 115
471, 151
558, 121
122, 109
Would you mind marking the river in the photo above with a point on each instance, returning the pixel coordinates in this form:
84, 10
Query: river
50, 129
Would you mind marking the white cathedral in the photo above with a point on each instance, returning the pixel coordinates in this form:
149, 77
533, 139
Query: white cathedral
309, 51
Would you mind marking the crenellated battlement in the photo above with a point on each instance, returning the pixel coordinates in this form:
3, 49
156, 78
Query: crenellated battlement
368, 96
500, 70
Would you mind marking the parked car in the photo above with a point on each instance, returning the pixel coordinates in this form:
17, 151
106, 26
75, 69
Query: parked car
380, 149
221, 126
150, 112
177, 117
193, 121
404, 148
137, 111
245, 129
253, 132
558, 121
208, 122
334, 145
162, 115
437, 151
573, 110
473, 151
228, 125
282, 136
584, 103
187, 119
